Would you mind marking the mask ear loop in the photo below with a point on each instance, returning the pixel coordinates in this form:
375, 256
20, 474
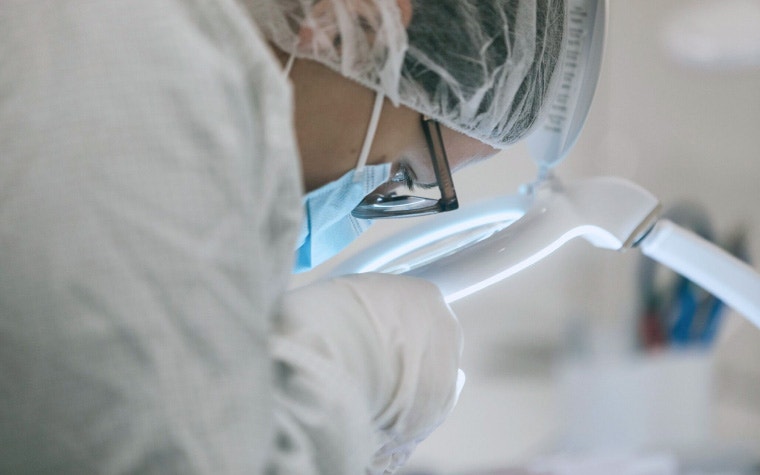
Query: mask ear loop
291, 60
368, 139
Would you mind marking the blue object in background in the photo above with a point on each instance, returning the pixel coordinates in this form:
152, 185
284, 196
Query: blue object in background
680, 313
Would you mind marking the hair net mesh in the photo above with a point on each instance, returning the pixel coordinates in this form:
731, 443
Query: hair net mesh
482, 67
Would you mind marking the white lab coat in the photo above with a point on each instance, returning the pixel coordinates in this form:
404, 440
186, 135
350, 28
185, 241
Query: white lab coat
149, 201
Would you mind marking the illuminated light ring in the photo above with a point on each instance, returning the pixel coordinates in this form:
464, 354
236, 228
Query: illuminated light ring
527, 261
505, 209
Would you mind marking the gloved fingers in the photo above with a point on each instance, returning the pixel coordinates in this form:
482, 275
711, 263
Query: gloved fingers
388, 463
396, 337
427, 340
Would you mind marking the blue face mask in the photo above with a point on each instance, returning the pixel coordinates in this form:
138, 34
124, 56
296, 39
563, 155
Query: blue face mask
328, 226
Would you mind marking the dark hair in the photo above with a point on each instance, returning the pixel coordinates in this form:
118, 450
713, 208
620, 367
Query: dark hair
436, 31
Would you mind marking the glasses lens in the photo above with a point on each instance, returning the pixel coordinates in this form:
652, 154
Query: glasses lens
377, 207
386, 203
390, 201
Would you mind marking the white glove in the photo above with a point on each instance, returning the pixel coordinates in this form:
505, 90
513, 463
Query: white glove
391, 338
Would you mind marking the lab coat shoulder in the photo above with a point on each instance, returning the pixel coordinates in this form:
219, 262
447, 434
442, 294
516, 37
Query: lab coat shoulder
149, 200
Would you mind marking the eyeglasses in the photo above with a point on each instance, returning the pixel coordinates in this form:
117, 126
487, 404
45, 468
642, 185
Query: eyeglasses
376, 206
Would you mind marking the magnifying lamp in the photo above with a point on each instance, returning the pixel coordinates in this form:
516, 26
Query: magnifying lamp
467, 250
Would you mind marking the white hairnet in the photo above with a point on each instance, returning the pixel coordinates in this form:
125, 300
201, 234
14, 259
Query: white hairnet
482, 67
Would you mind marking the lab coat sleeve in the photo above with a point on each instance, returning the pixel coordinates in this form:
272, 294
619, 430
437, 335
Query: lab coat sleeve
366, 367
149, 200
149, 196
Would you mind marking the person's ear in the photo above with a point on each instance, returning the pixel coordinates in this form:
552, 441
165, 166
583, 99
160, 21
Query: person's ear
405, 6
322, 16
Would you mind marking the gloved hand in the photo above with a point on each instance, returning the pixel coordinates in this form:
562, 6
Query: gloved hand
398, 343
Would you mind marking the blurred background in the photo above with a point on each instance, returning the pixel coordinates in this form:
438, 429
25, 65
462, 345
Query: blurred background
555, 357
